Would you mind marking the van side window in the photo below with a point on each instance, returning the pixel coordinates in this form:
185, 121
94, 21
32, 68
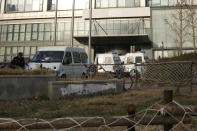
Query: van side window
130, 60
84, 57
117, 60
68, 58
76, 57
138, 59
108, 60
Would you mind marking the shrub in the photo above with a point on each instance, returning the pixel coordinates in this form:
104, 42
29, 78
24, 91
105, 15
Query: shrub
20, 71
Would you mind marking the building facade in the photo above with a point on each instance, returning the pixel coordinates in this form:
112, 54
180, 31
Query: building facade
117, 25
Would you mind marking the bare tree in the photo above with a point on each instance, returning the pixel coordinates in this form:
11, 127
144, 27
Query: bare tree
178, 24
192, 22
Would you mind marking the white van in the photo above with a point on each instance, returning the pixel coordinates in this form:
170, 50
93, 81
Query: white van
66, 61
130, 59
109, 62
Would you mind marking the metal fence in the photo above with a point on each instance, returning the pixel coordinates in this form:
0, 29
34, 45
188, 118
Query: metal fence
170, 72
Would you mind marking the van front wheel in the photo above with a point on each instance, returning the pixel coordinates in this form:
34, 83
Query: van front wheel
63, 76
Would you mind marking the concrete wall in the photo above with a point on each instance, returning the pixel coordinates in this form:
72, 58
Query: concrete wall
24, 86
61, 89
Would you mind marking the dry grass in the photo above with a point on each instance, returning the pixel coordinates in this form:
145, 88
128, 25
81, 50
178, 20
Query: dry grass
20, 71
109, 105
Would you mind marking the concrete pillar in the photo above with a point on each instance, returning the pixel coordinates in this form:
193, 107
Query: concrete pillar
2, 6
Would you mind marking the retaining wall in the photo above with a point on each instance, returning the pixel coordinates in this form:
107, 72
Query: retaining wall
24, 86
59, 89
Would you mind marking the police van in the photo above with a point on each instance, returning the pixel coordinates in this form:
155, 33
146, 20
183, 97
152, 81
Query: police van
65, 60
133, 61
109, 62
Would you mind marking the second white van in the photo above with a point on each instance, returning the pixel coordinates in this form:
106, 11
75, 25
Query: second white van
109, 62
130, 59
66, 61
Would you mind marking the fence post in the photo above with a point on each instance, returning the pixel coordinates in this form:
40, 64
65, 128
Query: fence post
136, 79
168, 97
131, 113
191, 83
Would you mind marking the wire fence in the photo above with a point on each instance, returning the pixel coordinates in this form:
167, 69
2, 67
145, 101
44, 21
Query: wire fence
169, 72
165, 115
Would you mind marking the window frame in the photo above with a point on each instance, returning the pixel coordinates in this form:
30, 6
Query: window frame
6, 10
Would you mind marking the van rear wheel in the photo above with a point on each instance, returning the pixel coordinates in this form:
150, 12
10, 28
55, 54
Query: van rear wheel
63, 76
84, 76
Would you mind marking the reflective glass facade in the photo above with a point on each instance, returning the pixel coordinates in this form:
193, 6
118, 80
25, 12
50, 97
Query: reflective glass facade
45, 31
23, 5
163, 33
117, 3
168, 2
67, 4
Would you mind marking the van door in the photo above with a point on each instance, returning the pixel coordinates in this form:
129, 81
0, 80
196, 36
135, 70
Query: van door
77, 66
66, 69
108, 61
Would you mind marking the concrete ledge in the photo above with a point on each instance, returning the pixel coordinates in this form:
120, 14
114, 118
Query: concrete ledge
59, 89
24, 86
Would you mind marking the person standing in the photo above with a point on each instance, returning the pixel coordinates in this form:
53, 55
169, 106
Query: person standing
19, 60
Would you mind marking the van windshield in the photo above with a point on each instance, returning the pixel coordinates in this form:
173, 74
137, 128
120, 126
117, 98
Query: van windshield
117, 60
48, 56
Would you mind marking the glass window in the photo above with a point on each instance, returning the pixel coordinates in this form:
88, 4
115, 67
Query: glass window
108, 60
2, 50
51, 4
138, 59
3, 36
164, 2
76, 57
130, 60
65, 4
68, 58
36, 5
137, 3
16, 32
60, 35
48, 56
124, 27
129, 3
98, 3
156, 3
11, 5
80, 4
0, 4
28, 32
10, 32
41, 32
21, 6
112, 3
34, 31
121, 3
47, 36
84, 57
28, 5
22, 32
104, 3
